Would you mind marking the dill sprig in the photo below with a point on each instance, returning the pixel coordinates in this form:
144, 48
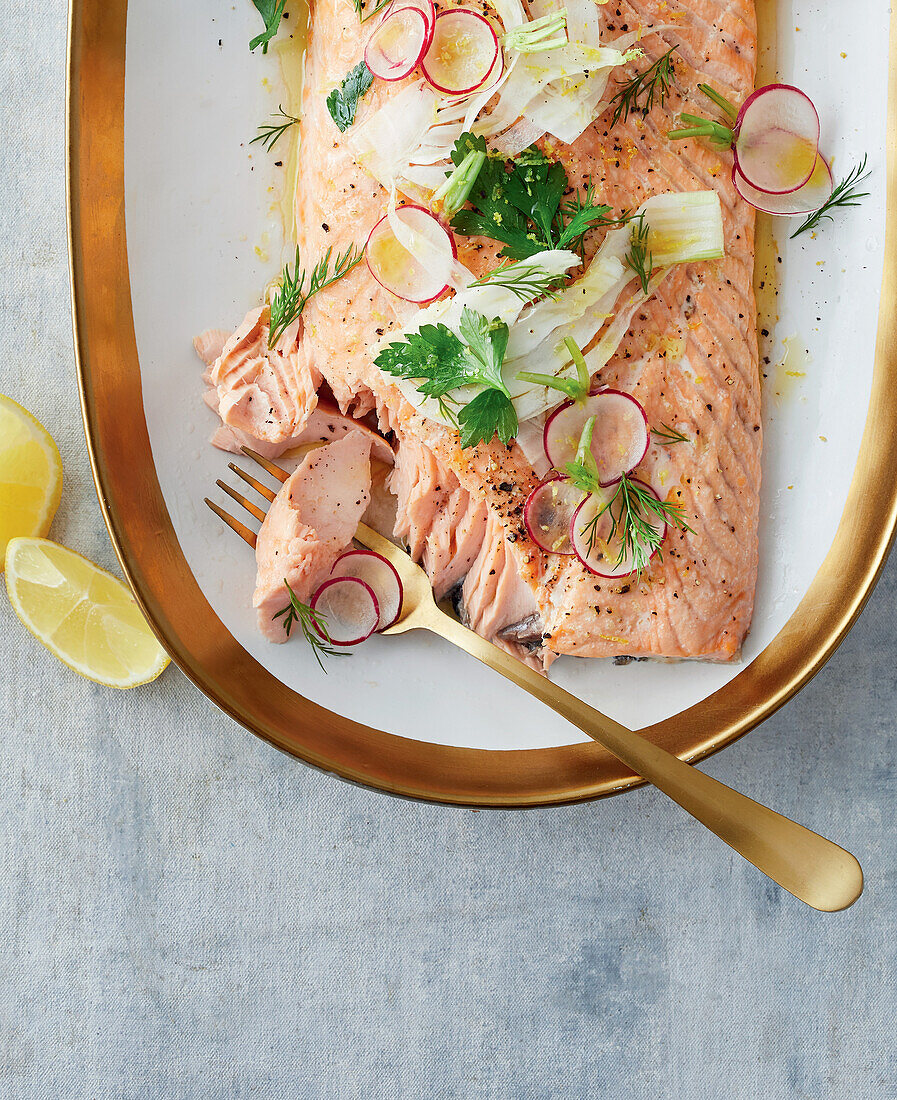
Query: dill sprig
526, 281
669, 435
313, 624
292, 294
270, 132
637, 517
637, 523
365, 10
845, 194
639, 257
640, 93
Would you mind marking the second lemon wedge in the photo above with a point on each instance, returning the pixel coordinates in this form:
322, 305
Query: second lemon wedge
82, 614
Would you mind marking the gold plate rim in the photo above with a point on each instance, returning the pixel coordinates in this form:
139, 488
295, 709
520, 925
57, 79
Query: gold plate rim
151, 559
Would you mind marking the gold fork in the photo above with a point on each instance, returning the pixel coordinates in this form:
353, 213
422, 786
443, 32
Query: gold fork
814, 869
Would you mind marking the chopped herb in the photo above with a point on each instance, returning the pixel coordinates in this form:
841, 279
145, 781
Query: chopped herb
668, 436
272, 13
640, 93
270, 132
583, 213
518, 203
342, 103
718, 132
292, 294
313, 624
439, 362
575, 388
845, 194
639, 257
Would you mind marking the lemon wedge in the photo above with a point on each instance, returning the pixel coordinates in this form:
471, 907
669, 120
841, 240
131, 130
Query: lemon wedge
30, 475
82, 614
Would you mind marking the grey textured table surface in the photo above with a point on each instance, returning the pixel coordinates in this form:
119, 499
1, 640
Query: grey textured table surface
187, 913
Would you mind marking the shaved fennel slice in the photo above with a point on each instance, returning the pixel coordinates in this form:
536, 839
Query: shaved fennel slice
385, 142
434, 258
583, 24
682, 228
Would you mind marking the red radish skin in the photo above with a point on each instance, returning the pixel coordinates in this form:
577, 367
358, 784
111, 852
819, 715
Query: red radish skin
548, 514
396, 270
777, 139
620, 437
463, 52
396, 47
816, 191
595, 560
425, 7
380, 575
349, 608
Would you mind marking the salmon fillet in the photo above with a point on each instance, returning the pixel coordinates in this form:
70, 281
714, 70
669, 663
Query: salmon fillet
309, 524
690, 357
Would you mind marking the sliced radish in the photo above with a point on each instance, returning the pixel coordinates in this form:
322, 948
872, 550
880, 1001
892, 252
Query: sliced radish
348, 608
395, 48
379, 575
548, 514
619, 439
778, 139
593, 545
425, 7
811, 196
398, 270
463, 52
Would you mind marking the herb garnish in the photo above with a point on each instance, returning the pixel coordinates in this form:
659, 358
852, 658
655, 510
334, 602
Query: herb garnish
526, 281
360, 5
342, 103
845, 194
718, 132
577, 389
637, 517
438, 361
292, 294
639, 257
272, 12
269, 132
668, 435
648, 86
312, 622
518, 203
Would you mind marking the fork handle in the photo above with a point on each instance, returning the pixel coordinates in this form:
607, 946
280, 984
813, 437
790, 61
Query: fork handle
814, 869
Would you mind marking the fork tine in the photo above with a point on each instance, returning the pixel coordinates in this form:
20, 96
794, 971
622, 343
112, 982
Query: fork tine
250, 480
247, 504
274, 471
245, 534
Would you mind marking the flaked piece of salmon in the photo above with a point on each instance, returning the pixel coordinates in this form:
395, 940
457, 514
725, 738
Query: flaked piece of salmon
264, 396
309, 524
439, 522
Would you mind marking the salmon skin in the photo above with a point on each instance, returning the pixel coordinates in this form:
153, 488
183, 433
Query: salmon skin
690, 357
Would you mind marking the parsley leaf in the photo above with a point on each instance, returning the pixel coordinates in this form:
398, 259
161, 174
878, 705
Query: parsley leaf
439, 362
487, 342
342, 102
518, 203
272, 12
491, 412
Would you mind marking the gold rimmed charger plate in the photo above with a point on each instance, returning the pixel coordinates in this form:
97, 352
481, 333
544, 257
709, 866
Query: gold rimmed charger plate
153, 562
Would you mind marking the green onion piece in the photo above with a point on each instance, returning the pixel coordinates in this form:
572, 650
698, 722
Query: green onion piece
452, 195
